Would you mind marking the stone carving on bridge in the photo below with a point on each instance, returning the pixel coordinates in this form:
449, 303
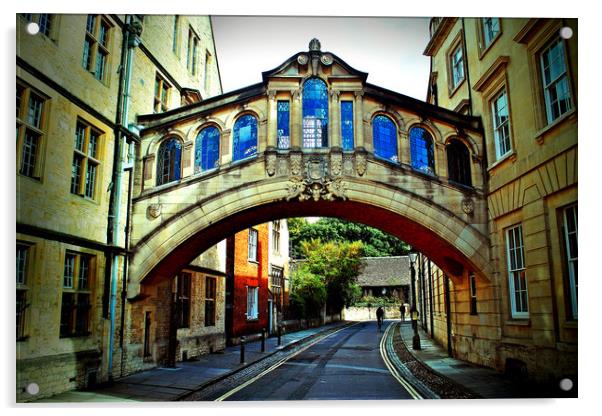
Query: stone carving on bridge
271, 161
296, 163
468, 206
361, 163
336, 164
154, 210
302, 59
316, 184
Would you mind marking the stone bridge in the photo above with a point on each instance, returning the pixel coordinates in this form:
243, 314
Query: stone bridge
312, 139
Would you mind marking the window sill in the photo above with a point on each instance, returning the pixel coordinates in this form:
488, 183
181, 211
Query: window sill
511, 156
82, 335
253, 261
518, 322
483, 51
539, 136
252, 319
454, 90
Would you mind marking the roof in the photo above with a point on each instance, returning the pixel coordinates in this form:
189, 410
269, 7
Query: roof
385, 271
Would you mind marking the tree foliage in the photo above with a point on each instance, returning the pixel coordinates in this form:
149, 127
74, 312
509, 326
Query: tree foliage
375, 243
328, 275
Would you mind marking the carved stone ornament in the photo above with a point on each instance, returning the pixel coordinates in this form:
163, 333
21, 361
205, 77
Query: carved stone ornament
302, 59
270, 163
317, 184
296, 162
326, 59
336, 164
272, 95
361, 163
154, 210
468, 206
314, 45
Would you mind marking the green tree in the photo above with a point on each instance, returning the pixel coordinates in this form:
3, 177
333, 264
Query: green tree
375, 242
308, 293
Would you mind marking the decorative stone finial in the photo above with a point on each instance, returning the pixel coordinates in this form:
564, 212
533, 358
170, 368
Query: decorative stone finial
314, 45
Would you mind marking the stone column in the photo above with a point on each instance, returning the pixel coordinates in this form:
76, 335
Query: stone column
296, 119
358, 118
404, 147
225, 147
335, 139
272, 119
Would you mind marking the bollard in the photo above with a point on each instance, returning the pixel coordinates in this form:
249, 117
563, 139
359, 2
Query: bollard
279, 335
263, 331
242, 350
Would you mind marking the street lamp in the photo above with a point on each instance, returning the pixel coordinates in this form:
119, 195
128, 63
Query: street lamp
413, 311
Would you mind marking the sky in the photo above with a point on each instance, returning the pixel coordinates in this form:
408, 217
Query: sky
388, 49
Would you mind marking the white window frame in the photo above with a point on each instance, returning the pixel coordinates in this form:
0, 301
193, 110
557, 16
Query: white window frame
556, 81
253, 244
252, 303
494, 34
276, 225
519, 270
498, 128
571, 260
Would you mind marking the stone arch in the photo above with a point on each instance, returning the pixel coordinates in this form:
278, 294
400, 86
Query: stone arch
211, 121
433, 129
443, 236
467, 140
153, 146
248, 109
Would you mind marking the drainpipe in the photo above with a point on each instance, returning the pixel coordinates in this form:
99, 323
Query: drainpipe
131, 32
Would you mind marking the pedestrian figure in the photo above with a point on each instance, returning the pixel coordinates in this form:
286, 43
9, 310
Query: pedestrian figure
402, 311
380, 313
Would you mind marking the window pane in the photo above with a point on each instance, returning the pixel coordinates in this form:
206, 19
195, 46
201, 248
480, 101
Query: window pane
20, 311
103, 33
283, 123
100, 65
384, 136
207, 149
87, 58
76, 174
30, 151
93, 144
315, 113
170, 155
45, 23
84, 270
34, 114
67, 307
347, 124
68, 270
245, 137
82, 314
458, 162
421, 150
90, 180
80, 135
21, 263
90, 23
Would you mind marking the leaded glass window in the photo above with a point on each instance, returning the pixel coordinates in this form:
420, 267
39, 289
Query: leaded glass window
169, 159
384, 137
422, 151
458, 162
315, 113
284, 135
347, 125
245, 137
206, 149
555, 80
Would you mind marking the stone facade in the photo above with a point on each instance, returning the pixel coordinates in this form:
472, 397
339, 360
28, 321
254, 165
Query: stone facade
59, 218
533, 185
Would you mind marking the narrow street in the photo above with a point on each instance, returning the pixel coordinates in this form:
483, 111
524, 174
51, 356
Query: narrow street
344, 366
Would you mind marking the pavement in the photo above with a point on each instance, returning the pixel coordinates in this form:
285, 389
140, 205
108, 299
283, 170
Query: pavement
485, 382
170, 384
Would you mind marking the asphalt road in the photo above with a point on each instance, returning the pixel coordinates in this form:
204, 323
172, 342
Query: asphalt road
345, 366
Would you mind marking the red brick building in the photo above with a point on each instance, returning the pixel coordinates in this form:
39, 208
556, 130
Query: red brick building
247, 286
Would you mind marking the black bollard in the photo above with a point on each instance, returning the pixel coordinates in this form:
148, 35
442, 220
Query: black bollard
263, 331
242, 350
279, 335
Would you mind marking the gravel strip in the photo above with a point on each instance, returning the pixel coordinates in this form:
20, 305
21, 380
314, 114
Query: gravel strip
442, 386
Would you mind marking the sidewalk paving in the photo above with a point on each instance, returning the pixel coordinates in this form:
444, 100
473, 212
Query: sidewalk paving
168, 384
483, 381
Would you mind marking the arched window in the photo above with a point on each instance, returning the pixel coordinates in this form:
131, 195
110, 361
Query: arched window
384, 137
245, 137
206, 149
458, 162
169, 158
422, 152
315, 113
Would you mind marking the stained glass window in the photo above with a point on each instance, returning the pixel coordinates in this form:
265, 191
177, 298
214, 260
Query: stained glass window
245, 137
458, 162
169, 158
421, 150
206, 149
347, 124
315, 113
384, 136
284, 136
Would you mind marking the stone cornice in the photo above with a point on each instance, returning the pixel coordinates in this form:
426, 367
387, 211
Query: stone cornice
439, 36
